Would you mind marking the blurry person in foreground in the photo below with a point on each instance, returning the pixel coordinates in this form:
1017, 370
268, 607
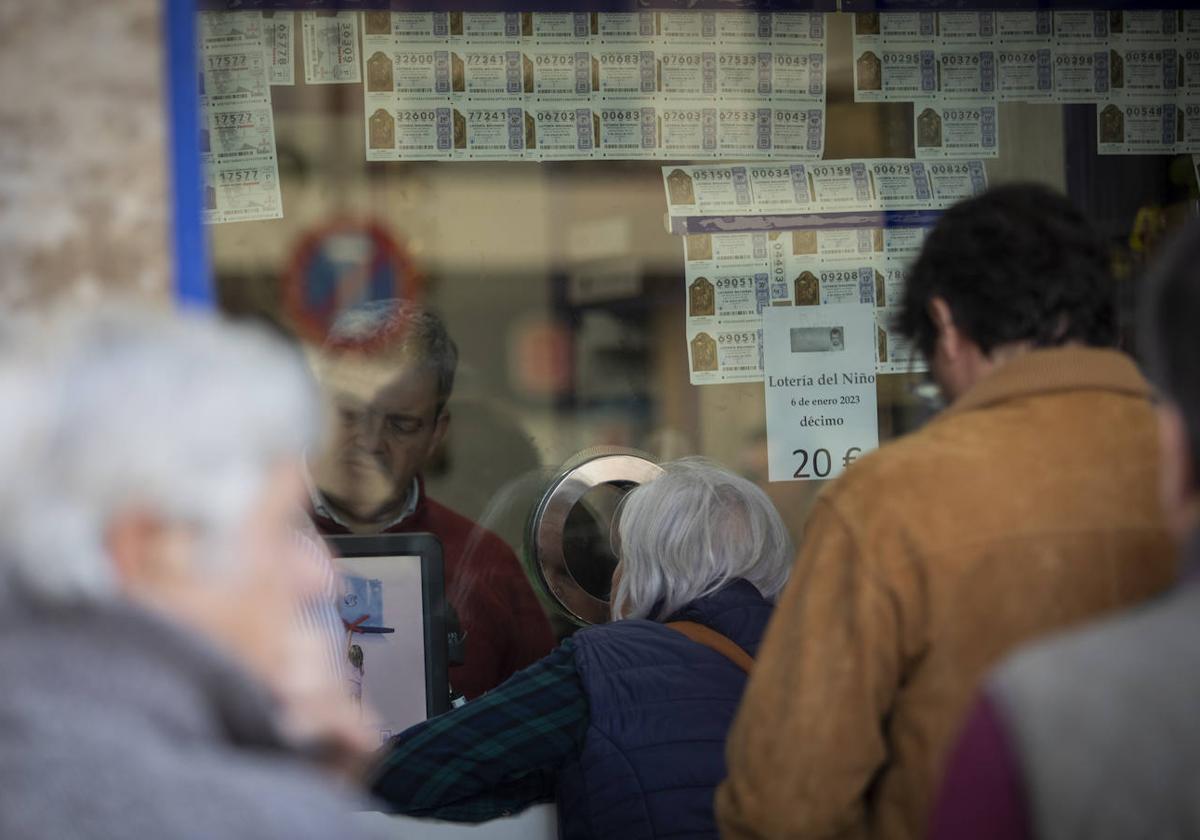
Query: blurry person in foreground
1026, 506
388, 368
624, 723
154, 681
1096, 733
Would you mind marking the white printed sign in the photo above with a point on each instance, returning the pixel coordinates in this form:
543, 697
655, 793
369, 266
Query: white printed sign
821, 404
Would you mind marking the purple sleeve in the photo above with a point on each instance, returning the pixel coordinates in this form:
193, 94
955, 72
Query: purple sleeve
982, 795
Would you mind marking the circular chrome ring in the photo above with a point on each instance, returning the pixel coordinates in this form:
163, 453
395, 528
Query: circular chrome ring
549, 523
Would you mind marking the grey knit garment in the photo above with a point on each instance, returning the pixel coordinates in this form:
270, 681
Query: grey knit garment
115, 723
1106, 725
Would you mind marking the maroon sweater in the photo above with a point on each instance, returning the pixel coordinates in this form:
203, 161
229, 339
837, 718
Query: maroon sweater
504, 624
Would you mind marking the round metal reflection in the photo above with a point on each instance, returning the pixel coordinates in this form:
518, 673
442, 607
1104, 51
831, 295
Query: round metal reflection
571, 531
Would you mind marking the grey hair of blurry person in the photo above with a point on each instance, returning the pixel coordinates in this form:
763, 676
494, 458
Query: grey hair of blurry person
150, 584
156, 458
691, 531
178, 417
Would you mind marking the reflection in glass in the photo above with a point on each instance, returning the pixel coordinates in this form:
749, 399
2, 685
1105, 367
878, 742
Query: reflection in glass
588, 546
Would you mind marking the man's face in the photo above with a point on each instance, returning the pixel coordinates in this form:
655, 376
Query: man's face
948, 372
241, 589
957, 362
386, 426
273, 579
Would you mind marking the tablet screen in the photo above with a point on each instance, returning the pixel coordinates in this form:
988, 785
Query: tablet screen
382, 599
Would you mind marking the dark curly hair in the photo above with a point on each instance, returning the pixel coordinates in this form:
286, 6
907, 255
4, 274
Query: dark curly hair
1167, 339
1018, 263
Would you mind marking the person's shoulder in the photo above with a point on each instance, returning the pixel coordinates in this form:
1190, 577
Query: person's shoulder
1107, 709
617, 632
630, 636
210, 789
441, 514
622, 627
606, 649
1121, 658
926, 462
890, 471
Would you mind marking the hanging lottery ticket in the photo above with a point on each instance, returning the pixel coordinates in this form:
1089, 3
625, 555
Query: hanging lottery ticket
331, 48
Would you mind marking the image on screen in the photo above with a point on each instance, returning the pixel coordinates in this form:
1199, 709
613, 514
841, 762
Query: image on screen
387, 660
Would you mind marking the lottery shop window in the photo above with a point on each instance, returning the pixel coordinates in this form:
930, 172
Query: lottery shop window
538, 180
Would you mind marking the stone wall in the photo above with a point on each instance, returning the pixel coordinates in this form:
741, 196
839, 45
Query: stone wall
83, 178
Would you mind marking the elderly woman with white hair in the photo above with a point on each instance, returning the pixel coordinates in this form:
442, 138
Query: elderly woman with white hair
154, 681
625, 723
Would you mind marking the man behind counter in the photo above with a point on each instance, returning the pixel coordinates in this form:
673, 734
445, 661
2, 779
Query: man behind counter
388, 369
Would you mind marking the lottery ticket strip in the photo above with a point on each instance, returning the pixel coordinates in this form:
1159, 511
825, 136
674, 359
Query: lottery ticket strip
241, 55
578, 85
330, 48
802, 234
689, 85
1140, 68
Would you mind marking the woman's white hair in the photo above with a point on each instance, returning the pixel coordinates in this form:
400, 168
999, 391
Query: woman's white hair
691, 531
181, 417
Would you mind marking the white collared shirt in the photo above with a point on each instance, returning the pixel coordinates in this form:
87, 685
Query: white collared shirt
321, 509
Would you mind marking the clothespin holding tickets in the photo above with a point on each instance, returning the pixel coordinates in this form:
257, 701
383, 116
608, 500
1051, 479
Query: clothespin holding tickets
1148, 227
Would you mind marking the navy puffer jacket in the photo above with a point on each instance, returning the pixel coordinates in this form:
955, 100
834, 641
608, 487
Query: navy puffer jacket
660, 708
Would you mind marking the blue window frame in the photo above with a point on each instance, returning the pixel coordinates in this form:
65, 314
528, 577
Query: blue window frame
193, 281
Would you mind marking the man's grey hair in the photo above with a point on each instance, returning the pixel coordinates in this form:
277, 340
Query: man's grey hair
385, 327
690, 532
181, 417
23, 419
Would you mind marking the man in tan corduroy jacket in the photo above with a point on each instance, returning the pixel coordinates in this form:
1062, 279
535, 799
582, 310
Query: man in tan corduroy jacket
1029, 505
